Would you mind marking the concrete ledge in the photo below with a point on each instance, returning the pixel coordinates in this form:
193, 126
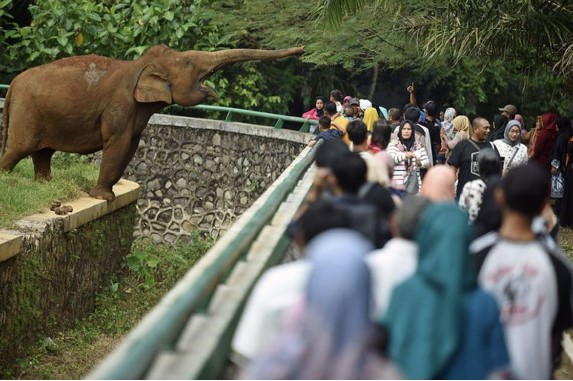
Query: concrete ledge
86, 209
9, 245
231, 127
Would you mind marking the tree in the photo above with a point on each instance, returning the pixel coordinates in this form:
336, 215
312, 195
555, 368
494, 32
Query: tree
125, 29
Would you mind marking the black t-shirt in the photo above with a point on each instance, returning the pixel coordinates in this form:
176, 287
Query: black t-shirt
464, 157
434, 130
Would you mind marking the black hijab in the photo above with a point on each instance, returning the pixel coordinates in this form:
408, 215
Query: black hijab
407, 143
320, 112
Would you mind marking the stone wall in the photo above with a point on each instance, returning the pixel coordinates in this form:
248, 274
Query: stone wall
53, 279
202, 174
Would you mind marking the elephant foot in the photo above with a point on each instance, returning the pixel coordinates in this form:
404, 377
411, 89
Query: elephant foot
102, 194
43, 176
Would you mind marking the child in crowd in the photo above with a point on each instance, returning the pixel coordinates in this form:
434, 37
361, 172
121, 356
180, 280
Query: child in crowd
327, 132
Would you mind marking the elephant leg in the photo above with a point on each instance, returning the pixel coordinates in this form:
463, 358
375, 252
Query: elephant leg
11, 158
42, 160
115, 158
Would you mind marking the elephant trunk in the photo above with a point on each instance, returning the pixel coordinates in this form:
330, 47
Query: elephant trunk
212, 61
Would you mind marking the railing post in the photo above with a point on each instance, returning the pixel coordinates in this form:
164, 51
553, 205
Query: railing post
229, 117
279, 123
305, 126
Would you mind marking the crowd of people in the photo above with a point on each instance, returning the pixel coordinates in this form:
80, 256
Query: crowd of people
429, 250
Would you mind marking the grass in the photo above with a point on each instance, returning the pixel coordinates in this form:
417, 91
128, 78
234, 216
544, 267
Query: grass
149, 272
566, 241
21, 195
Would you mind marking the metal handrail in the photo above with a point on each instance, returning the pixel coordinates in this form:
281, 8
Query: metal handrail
280, 119
162, 326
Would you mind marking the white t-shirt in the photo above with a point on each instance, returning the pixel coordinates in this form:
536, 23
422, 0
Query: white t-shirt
278, 289
392, 264
522, 278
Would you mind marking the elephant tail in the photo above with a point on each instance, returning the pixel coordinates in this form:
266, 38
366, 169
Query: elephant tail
5, 123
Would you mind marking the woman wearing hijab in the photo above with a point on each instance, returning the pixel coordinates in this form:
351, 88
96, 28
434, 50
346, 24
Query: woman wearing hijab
370, 115
447, 131
318, 111
560, 158
511, 148
520, 119
545, 140
441, 325
409, 156
462, 129
566, 209
330, 334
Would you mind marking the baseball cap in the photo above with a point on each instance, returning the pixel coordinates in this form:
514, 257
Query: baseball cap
354, 101
510, 109
347, 98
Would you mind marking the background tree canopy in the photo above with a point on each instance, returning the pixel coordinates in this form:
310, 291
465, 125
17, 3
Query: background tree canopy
475, 55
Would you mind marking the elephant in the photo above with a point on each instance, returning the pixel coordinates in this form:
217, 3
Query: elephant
84, 104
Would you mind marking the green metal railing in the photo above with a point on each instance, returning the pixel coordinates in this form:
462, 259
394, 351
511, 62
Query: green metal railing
231, 111
161, 328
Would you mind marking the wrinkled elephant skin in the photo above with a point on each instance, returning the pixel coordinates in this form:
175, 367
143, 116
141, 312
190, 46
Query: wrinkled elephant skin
89, 103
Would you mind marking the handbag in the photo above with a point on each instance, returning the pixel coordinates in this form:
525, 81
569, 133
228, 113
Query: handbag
411, 181
557, 185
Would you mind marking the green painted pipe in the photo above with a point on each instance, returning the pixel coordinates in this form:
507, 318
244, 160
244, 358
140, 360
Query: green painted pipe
134, 359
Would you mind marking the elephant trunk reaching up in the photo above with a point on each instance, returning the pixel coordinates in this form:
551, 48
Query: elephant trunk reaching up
89, 103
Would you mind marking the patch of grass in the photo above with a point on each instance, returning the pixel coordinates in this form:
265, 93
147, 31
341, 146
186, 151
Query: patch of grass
566, 241
21, 195
119, 307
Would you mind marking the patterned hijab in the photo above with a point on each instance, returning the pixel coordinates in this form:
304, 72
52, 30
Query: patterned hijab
506, 139
449, 115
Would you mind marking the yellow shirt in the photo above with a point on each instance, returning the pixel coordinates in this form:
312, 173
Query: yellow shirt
370, 117
341, 122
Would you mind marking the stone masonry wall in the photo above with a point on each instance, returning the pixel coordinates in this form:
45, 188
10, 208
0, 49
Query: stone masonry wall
202, 174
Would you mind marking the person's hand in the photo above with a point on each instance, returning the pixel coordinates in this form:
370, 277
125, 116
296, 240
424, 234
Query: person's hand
409, 155
411, 88
553, 170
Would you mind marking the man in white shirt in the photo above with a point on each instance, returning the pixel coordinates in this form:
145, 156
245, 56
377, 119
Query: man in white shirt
398, 259
531, 280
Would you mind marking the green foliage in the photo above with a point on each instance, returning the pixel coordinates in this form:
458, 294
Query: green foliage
150, 264
125, 29
142, 263
504, 61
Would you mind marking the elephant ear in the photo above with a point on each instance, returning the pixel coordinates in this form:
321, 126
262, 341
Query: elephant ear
152, 87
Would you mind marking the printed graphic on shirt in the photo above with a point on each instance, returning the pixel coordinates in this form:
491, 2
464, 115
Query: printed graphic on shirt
474, 168
519, 300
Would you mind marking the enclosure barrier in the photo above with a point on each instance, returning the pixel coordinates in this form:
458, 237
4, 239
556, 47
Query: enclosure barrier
188, 334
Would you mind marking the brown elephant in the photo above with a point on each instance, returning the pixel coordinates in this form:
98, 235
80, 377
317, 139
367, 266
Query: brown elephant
89, 103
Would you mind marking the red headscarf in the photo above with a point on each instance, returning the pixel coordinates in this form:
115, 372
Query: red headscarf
549, 121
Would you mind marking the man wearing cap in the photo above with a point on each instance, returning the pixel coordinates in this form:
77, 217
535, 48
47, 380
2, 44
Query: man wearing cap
355, 103
508, 113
